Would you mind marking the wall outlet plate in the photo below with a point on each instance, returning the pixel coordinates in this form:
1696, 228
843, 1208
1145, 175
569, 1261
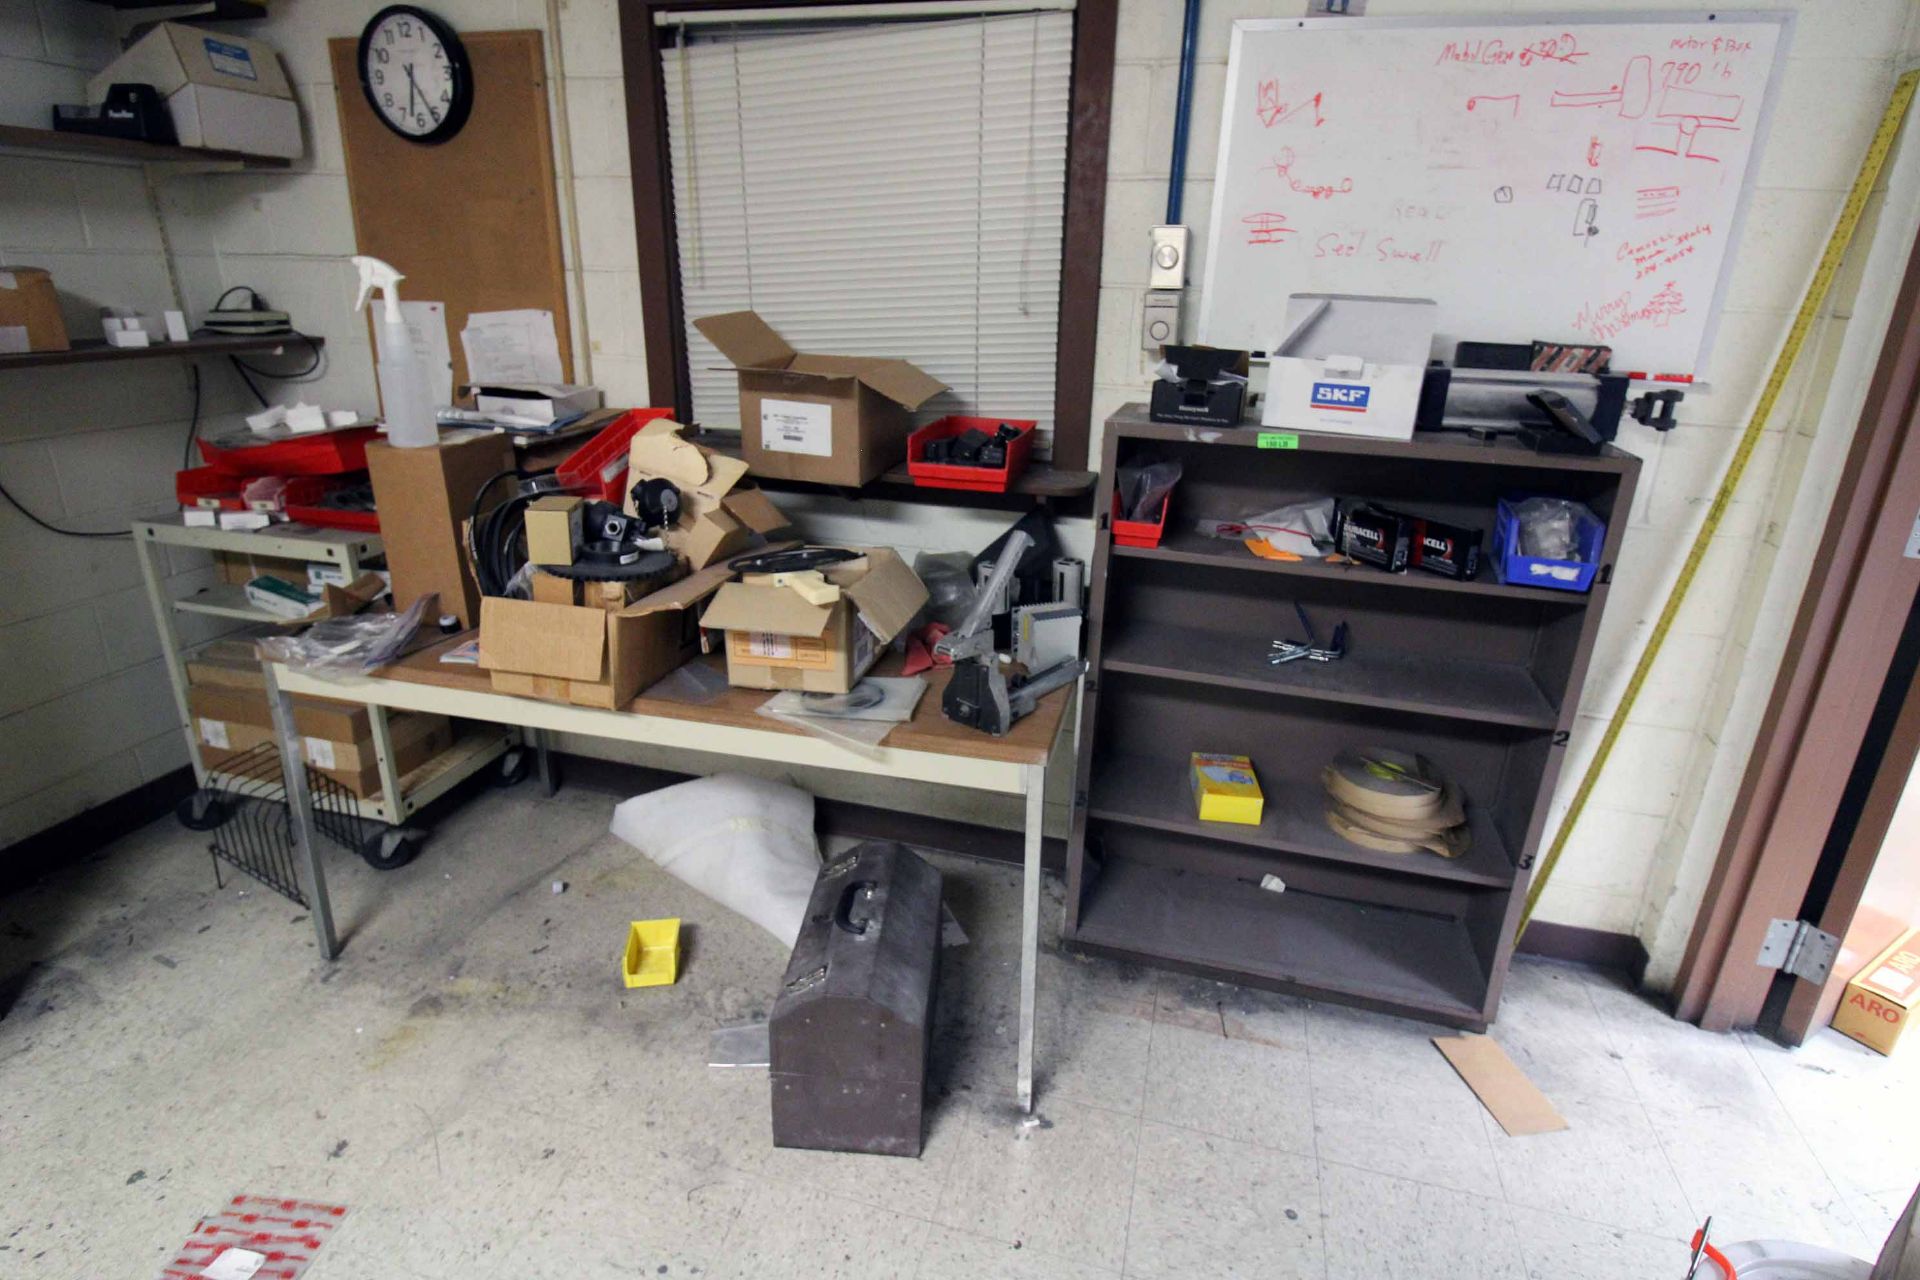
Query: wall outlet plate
1160, 319
1167, 260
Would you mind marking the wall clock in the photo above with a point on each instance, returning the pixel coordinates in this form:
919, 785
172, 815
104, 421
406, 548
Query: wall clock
416, 74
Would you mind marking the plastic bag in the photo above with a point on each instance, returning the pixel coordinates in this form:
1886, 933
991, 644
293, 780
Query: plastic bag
949, 584
1303, 528
1550, 527
747, 843
1143, 488
349, 645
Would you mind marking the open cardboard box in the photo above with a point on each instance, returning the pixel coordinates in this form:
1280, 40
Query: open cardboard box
828, 419
590, 655
720, 515
779, 639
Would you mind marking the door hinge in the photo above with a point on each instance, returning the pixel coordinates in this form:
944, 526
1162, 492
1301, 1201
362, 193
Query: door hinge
1797, 948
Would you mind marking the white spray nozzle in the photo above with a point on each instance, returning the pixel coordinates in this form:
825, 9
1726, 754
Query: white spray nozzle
375, 274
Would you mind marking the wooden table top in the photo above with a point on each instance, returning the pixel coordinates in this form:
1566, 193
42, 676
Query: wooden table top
1028, 742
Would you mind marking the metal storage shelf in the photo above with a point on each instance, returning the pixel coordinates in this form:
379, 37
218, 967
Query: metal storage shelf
224, 600
1481, 677
96, 350
108, 150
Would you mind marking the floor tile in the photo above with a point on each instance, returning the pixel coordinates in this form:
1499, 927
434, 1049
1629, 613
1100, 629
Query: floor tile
1431, 1134
1676, 1067
1207, 1206
1606, 1166
1060, 1187
1232, 1088
784, 1230
1234, 1013
957, 1255
1757, 1183
1557, 1247
1549, 1027
1379, 1226
1373, 1048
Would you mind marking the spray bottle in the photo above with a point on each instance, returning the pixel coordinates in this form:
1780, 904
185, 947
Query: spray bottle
404, 392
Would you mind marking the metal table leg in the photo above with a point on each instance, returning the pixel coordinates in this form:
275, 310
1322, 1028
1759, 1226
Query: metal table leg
293, 768
1030, 927
543, 760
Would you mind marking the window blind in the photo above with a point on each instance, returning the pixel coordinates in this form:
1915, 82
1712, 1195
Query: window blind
885, 190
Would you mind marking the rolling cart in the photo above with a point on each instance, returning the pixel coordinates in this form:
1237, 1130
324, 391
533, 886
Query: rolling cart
375, 825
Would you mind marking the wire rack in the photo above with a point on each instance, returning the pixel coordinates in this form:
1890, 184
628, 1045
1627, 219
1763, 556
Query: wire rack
255, 834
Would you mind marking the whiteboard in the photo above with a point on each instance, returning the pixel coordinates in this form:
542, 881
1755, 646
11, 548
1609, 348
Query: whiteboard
1563, 179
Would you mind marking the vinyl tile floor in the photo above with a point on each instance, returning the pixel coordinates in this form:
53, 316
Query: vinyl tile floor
471, 1080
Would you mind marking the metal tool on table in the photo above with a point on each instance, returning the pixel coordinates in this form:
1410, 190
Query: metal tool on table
1310, 648
980, 695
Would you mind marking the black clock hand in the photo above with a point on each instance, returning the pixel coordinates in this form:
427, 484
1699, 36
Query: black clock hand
413, 89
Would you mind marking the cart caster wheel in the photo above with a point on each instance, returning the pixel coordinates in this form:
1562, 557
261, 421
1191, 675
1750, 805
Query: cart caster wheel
392, 848
202, 811
513, 768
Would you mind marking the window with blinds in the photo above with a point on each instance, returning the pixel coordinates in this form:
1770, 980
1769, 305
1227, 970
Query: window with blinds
883, 189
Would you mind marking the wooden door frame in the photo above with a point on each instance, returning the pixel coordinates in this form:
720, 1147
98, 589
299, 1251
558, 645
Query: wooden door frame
1090, 110
1835, 666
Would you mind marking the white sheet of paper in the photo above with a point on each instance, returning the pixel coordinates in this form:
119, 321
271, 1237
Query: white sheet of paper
234, 1264
511, 346
427, 324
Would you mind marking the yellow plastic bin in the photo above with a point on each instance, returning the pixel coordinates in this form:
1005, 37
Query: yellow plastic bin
653, 953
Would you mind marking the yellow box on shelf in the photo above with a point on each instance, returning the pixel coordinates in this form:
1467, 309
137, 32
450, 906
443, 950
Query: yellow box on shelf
1225, 790
653, 953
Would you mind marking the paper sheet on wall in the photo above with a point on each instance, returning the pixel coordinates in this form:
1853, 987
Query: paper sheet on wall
511, 346
427, 326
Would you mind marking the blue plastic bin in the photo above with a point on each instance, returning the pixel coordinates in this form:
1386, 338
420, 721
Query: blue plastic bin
1535, 571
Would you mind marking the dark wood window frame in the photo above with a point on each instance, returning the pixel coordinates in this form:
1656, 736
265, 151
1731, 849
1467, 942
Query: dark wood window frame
1094, 22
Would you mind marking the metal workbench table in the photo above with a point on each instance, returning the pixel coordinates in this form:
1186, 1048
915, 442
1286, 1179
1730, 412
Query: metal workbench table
929, 748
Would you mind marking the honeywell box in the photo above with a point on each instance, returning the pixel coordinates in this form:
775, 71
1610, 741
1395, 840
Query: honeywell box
828, 419
778, 639
588, 654
1879, 1002
223, 91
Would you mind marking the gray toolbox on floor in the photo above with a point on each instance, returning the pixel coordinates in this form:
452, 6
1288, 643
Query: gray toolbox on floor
850, 1028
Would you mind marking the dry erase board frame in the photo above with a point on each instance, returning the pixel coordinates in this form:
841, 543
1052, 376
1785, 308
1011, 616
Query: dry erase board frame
1514, 283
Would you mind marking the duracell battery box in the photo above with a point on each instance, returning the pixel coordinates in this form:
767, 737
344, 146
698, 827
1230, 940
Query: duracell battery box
1376, 536
1450, 550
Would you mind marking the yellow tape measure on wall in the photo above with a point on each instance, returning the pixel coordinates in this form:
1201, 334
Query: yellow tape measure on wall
1830, 261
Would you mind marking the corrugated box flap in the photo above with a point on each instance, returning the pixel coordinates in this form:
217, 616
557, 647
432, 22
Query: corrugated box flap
227, 61
557, 640
689, 591
903, 383
889, 595
747, 340
740, 607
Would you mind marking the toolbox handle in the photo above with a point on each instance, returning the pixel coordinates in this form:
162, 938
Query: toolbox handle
843, 914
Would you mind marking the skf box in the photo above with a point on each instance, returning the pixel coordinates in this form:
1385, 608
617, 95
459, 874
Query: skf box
779, 639
1877, 1004
828, 419
1225, 789
223, 91
1350, 365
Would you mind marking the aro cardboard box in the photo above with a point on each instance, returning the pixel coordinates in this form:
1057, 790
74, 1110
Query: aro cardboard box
224, 91
779, 639
30, 318
589, 655
1877, 1004
828, 419
425, 497
720, 515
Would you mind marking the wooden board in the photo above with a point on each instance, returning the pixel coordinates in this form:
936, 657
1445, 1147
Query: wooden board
1028, 742
475, 221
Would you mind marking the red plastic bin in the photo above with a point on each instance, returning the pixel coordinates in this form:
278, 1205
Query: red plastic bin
304, 496
1139, 533
324, 454
940, 475
588, 468
208, 487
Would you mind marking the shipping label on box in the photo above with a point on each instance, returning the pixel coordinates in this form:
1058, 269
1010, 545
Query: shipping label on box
214, 734
793, 426
1877, 1005
770, 649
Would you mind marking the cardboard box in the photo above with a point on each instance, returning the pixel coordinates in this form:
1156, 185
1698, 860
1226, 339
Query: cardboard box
326, 718
777, 639
425, 497
720, 515
226, 664
30, 318
1353, 365
553, 528
223, 91
828, 419
1225, 789
589, 655
417, 738
535, 401
1877, 1005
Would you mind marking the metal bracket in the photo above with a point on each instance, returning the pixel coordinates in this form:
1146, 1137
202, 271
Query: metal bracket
1797, 948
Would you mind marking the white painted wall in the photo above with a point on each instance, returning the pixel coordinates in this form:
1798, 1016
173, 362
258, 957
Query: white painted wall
286, 233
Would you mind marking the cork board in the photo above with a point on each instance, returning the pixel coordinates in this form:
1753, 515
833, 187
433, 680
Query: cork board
473, 222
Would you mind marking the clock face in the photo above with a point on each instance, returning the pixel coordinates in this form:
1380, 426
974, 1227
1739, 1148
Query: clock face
415, 74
